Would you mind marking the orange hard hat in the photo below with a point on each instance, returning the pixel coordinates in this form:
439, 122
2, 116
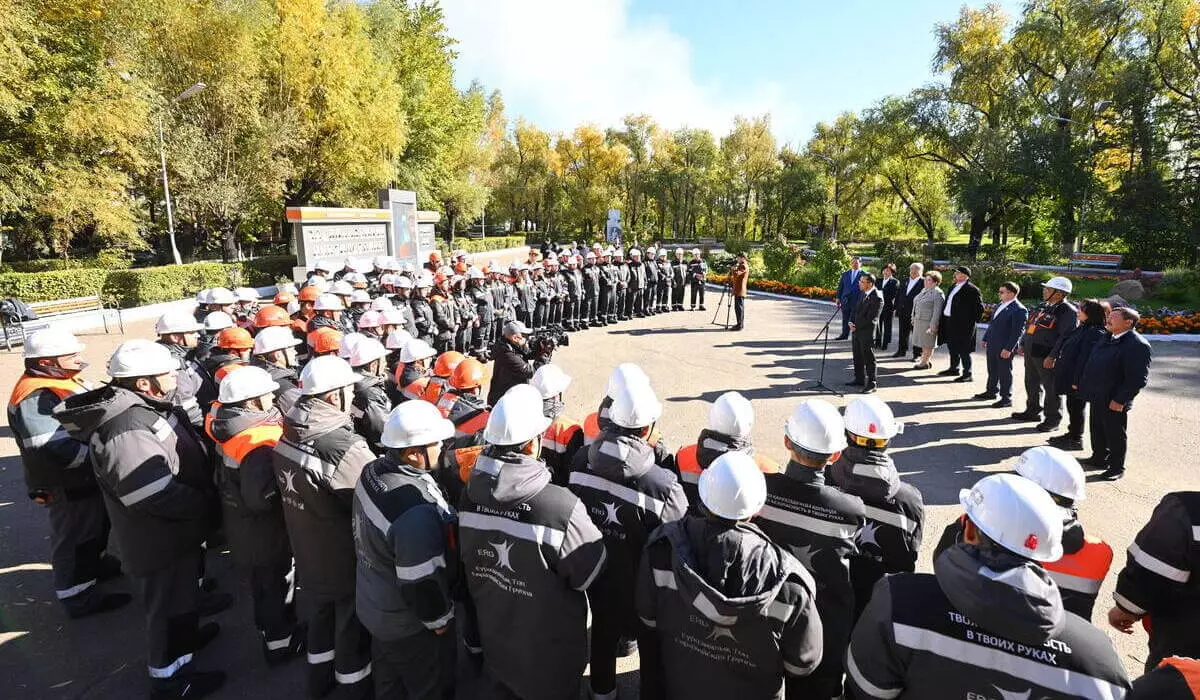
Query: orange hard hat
435, 257
324, 340
309, 293
467, 375
439, 278
460, 266
446, 362
271, 315
235, 339
283, 298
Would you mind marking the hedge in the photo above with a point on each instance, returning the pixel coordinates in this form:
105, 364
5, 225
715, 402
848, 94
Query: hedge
50, 286
482, 245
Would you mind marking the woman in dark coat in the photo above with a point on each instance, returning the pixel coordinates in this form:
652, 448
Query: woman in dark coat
1068, 367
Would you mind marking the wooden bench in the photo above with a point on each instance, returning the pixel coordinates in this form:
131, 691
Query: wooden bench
15, 333
1102, 260
706, 242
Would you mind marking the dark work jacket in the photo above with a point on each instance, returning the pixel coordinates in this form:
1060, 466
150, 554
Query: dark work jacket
621, 276
499, 293
526, 297
983, 625
153, 470
697, 272
289, 385
1047, 327
53, 459
627, 497
664, 274
966, 309
591, 282
890, 287
651, 268
423, 317
1117, 370
445, 315
317, 463
245, 441
735, 612
574, 280
529, 553
866, 313
370, 410
195, 389
608, 277
1073, 356
484, 303
637, 275
512, 367
679, 270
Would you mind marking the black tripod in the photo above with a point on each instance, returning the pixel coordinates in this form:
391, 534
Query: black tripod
819, 384
725, 299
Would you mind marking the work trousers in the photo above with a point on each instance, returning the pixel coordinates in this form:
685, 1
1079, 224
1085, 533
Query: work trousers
602, 305
497, 328
863, 347
540, 313
633, 302
609, 310
444, 342
169, 596
418, 667
606, 638
622, 295
649, 294
588, 312
339, 649
697, 294
78, 537
663, 298
904, 333
1110, 438
739, 311
999, 373
1040, 395
1076, 415
677, 298
556, 312
883, 336
463, 337
273, 589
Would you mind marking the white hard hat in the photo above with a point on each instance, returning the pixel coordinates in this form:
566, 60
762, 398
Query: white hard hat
246, 294
635, 253
217, 321
329, 302
360, 296
274, 338
517, 417
618, 253
353, 278
394, 317
349, 262
203, 295
733, 487
141, 358
181, 322
1062, 284
635, 407
387, 279
609, 251
1054, 470
221, 295
324, 265
622, 375
380, 261
816, 426
406, 266
1016, 514
341, 288
381, 304
365, 351
371, 319
662, 252
870, 417
424, 280
475, 273
244, 383
292, 307
346, 347
651, 251
695, 251
417, 349
51, 342
590, 256
731, 414
415, 424
550, 380
404, 282
287, 287
397, 338
326, 373
315, 279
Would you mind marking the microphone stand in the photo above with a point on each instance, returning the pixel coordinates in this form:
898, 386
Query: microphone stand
819, 384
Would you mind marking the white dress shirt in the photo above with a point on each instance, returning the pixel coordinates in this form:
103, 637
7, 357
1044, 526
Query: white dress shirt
950, 298
909, 287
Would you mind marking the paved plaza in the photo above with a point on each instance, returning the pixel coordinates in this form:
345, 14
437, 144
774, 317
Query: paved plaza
950, 442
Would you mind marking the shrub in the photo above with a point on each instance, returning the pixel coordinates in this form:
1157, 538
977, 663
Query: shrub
828, 264
737, 243
152, 285
780, 257
481, 245
52, 285
267, 270
902, 251
720, 262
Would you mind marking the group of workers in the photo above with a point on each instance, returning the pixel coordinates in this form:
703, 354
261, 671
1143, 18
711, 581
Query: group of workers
420, 520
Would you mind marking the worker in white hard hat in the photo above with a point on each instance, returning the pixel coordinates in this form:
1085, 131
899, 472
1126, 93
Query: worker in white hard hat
412, 374
1086, 560
573, 280
468, 317
607, 277
627, 496
730, 422
558, 294
1046, 329
317, 463
479, 293
529, 552
589, 304
988, 619
697, 275
395, 342
274, 352
407, 559
891, 538
564, 436
421, 308
636, 292
371, 406
58, 475
679, 278
213, 324
819, 525
327, 313
734, 612
650, 294
662, 295
245, 424
216, 299
156, 477
195, 389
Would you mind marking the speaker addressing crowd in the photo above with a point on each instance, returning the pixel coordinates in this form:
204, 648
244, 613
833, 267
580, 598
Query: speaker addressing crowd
389, 515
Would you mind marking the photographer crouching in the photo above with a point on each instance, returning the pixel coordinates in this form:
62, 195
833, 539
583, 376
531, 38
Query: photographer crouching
517, 357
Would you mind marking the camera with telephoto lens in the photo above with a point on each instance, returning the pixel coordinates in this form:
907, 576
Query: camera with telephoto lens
547, 341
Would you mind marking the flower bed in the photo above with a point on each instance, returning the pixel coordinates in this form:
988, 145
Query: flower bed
1168, 322
784, 288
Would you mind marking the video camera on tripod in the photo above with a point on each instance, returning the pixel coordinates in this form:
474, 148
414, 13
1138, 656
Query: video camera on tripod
545, 342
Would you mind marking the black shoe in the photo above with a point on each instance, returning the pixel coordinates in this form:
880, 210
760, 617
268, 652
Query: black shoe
870, 388
294, 648
626, 647
737, 328
96, 604
702, 308
984, 396
1026, 417
1047, 427
208, 584
206, 633
1109, 475
965, 378
110, 568
1069, 444
1002, 403
213, 603
1093, 463
855, 382
841, 337
949, 372
899, 353
188, 684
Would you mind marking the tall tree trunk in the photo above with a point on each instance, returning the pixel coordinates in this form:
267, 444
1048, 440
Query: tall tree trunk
229, 232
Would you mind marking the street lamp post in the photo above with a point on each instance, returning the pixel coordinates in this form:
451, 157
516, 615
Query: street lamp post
162, 156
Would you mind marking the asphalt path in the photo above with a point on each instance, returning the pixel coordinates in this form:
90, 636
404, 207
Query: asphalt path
950, 442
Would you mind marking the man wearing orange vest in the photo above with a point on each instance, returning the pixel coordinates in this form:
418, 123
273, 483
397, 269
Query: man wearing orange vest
443, 367
412, 374
1086, 560
245, 425
625, 374
564, 437
462, 404
232, 350
1176, 678
730, 420
58, 474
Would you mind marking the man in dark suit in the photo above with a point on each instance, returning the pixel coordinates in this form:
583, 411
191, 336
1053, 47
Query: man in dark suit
964, 304
862, 341
908, 290
1000, 345
1116, 371
890, 287
848, 294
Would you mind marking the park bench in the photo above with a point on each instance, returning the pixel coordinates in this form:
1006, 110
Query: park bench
1103, 260
15, 332
706, 242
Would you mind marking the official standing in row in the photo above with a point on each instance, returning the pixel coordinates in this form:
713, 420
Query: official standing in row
848, 292
960, 317
862, 329
890, 287
908, 291
1000, 342
1045, 331
1116, 372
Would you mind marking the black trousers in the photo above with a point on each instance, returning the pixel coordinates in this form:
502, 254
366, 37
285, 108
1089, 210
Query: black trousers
847, 314
663, 298
602, 305
272, 589
463, 336
883, 336
1110, 438
606, 637
1076, 415
863, 347
697, 293
1040, 395
648, 296
739, 310
540, 314
609, 310
169, 596
78, 536
339, 649
1000, 374
587, 312
633, 302
960, 352
419, 667
904, 333
556, 311
677, 298
444, 342
570, 311
619, 306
